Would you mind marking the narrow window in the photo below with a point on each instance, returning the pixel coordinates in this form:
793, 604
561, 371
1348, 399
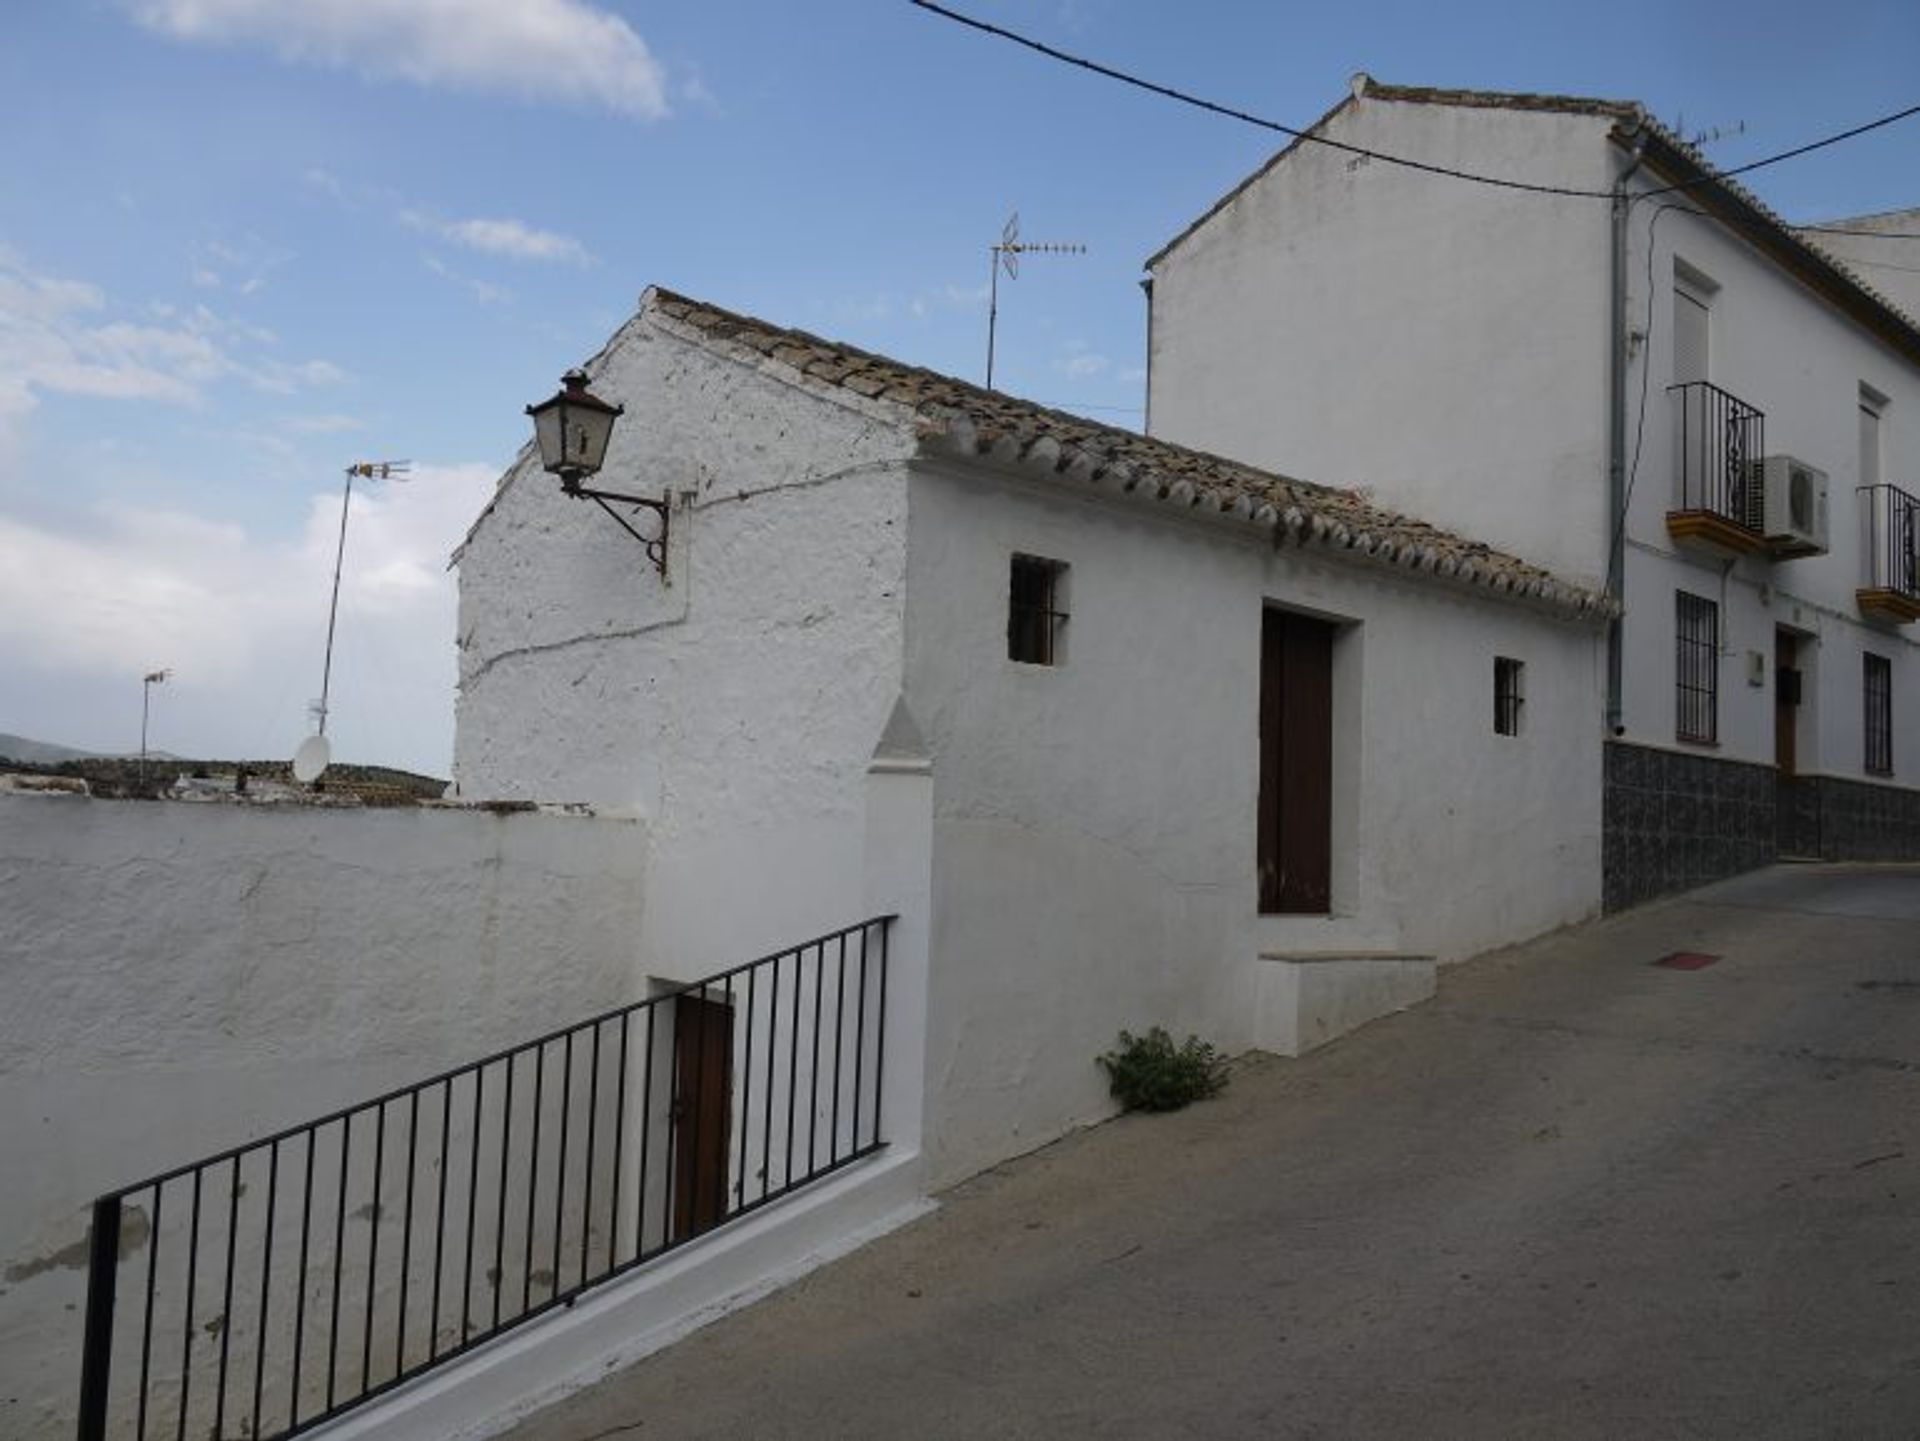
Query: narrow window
1691, 331
1871, 405
1697, 669
1037, 610
1507, 695
1878, 699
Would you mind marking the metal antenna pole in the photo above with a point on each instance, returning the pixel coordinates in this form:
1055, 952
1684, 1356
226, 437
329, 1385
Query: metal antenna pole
333, 607
1007, 251
993, 305
371, 470
147, 683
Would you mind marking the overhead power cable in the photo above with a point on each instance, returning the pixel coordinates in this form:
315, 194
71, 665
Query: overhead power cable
1168, 92
1261, 122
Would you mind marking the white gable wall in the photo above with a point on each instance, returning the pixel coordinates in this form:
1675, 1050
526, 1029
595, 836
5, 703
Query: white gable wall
1094, 834
1339, 318
1881, 254
736, 706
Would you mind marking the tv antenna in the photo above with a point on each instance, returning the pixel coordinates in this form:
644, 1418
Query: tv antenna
1700, 139
359, 470
1007, 251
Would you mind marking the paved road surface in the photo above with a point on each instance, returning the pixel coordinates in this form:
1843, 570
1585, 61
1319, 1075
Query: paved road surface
1575, 1196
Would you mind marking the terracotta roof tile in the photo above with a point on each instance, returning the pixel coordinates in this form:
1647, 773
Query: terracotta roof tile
962, 418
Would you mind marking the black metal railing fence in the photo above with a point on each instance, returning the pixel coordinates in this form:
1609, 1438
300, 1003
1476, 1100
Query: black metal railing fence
1721, 439
1892, 520
272, 1286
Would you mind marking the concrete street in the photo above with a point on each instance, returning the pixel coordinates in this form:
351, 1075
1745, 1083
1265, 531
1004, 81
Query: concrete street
1575, 1196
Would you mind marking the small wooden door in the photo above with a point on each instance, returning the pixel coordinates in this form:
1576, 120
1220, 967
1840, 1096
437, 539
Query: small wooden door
1296, 764
703, 1085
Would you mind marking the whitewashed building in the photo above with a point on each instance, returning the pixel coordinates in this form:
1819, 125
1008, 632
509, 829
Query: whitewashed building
1209, 747
1621, 366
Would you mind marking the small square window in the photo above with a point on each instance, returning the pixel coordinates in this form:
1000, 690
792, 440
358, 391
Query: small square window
1509, 695
1037, 611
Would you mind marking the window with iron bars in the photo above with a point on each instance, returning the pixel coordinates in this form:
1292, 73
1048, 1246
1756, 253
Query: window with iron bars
1878, 698
1697, 669
1037, 611
1507, 695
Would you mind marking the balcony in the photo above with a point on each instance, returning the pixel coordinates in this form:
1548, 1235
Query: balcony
1721, 438
1891, 534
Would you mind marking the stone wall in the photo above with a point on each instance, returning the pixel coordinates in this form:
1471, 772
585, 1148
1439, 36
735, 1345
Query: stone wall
1673, 820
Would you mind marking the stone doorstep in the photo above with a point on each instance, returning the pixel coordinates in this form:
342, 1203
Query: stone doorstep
1304, 999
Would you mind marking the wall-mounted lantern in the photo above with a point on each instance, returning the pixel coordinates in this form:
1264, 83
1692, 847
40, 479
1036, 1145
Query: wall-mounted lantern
573, 428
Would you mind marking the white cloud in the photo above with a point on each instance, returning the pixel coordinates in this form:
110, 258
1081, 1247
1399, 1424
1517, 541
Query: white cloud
539, 49
511, 237
241, 620
514, 239
56, 338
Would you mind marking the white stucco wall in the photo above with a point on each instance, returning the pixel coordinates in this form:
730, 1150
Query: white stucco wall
1094, 837
734, 706
1792, 354
1882, 255
1440, 343
1446, 346
179, 978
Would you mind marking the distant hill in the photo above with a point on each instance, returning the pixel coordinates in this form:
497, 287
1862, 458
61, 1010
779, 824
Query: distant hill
39, 753
124, 776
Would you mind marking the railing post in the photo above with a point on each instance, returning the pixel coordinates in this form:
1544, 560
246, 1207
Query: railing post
899, 882
96, 1356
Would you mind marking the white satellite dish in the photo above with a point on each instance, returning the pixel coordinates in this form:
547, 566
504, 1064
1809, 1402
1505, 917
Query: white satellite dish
311, 759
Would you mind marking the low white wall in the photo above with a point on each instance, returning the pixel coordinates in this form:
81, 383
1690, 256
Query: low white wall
179, 978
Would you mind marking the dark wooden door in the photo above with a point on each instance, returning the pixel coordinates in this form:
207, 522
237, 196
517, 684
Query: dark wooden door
1296, 764
1786, 701
703, 1082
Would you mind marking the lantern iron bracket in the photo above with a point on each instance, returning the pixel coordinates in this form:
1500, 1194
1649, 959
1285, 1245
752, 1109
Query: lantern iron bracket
655, 546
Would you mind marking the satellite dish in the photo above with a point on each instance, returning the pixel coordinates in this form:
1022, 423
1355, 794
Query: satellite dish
311, 759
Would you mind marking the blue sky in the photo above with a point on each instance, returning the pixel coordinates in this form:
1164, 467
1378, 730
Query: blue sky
243, 243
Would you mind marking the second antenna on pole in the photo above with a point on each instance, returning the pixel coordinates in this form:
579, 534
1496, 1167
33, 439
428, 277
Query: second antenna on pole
1007, 251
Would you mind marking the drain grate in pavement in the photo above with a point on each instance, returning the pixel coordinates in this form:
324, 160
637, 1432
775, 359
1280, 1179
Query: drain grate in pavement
1687, 961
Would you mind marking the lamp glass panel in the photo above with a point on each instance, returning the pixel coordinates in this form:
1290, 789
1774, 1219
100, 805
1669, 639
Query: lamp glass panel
587, 431
547, 421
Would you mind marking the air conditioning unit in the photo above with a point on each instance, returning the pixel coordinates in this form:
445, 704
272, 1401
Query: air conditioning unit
1793, 498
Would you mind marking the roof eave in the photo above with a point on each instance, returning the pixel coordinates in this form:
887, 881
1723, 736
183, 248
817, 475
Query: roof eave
1721, 199
1300, 523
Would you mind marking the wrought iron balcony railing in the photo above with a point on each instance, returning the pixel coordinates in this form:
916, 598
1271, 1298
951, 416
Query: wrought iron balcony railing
1890, 569
1721, 440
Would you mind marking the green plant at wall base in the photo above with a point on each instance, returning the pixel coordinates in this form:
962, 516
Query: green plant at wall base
1150, 1073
